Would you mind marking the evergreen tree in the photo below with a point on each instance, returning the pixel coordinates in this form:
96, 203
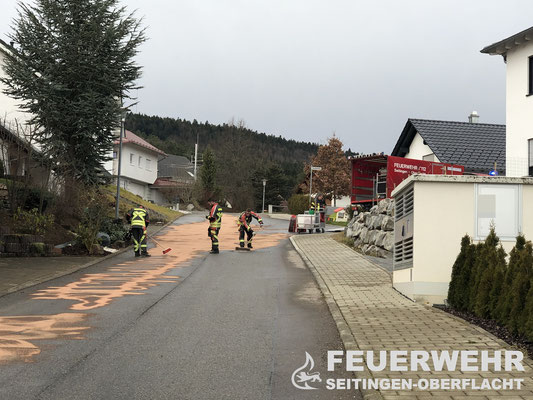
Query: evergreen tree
519, 290
459, 290
208, 174
503, 308
490, 264
72, 62
455, 287
528, 314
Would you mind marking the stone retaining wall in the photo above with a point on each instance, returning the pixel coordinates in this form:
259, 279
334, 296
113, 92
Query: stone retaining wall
373, 231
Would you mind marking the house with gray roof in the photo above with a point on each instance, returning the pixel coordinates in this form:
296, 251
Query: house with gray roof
478, 147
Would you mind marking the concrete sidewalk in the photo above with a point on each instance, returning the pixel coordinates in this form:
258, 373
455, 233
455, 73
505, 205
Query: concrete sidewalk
371, 315
17, 273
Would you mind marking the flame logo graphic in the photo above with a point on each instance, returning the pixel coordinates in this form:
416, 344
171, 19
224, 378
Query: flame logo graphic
303, 374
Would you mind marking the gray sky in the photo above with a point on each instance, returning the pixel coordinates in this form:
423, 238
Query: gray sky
304, 69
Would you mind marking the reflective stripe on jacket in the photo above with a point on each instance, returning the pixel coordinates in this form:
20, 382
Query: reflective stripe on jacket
215, 216
139, 217
244, 220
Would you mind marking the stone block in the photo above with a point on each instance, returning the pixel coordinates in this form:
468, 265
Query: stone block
380, 237
387, 224
388, 241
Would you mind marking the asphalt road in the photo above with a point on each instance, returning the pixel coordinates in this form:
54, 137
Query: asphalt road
187, 325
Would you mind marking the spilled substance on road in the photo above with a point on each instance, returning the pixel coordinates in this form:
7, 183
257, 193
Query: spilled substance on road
96, 290
18, 332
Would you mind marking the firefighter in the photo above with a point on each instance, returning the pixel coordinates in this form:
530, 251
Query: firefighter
139, 220
244, 222
215, 221
319, 206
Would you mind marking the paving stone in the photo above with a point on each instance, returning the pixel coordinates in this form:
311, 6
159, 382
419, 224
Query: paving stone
382, 319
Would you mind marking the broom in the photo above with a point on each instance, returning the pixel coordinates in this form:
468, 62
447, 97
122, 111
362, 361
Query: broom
159, 244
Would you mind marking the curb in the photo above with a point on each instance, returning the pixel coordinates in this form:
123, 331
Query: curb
29, 284
345, 332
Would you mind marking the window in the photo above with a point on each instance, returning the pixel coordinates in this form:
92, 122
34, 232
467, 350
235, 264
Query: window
131, 158
140, 161
530, 145
114, 155
530, 83
148, 165
498, 205
429, 157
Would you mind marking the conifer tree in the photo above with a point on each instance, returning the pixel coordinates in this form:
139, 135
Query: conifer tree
456, 285
489, 263
503, 308
72, 62
519, 290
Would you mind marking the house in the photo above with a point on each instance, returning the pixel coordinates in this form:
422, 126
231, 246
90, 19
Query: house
476, 146
18, 155
139, 165
177, 169
517, 52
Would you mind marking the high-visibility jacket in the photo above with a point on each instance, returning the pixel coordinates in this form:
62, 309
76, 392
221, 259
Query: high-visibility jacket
318, 205
215, 216
138, 217
245, 220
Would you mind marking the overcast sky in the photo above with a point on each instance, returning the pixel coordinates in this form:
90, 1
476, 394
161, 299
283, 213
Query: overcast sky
304, 69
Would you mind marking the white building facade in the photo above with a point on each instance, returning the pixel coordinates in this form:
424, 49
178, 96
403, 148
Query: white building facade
517, 52
138, 170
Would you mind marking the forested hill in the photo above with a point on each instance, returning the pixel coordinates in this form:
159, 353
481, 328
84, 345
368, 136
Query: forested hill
177, 136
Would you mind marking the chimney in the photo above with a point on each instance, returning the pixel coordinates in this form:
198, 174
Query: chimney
473, 118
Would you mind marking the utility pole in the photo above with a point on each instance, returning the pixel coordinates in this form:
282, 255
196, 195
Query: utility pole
264, 186
196, 154
311, 181
122, 121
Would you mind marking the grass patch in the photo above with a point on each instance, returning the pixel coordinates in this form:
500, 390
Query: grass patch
339, 237
338, 223
170, 215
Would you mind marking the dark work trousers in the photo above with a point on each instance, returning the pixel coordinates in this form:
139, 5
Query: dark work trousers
249, 236
213, 234
139, 239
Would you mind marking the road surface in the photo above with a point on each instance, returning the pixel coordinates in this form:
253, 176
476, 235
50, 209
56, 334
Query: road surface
186, 325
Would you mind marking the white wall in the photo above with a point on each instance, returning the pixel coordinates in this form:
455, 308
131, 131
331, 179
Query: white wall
519, 113
141, 173
417, 149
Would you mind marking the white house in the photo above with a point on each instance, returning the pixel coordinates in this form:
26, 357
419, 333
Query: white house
138, 165
476, 146
517, 52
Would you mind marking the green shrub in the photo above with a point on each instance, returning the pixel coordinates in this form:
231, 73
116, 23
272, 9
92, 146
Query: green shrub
459, 290
87, 236
32, 221
484, 284
298, 203
503, 308
490, 266
114, 228
519, 290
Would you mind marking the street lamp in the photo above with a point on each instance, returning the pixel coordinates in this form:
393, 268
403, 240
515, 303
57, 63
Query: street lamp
122, 121
264, 185
311, 181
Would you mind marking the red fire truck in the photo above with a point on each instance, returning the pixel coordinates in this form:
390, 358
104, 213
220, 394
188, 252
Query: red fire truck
374, 177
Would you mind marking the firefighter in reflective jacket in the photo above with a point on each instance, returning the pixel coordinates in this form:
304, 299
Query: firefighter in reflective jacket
215, 221
319, 206
139, 220
245, 219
